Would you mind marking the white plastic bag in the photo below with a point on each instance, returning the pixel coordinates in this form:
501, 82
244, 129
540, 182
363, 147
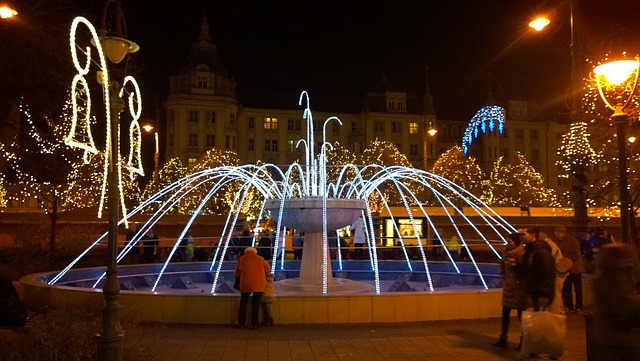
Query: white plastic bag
543, 332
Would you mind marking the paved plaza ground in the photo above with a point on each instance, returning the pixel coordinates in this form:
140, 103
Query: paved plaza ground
433, 341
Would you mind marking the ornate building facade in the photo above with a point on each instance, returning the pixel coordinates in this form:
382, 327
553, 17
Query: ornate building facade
203, 111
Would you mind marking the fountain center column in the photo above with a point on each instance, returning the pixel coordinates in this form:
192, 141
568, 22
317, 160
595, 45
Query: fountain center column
311, 269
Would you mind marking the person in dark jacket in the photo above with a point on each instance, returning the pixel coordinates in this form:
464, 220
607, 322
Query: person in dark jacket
265, 246
539, 269
252, 270
514, 294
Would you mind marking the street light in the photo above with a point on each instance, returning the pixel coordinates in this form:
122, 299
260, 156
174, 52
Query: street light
580, 160
429, 131
617, 82
114, 47
156, 156
7, 12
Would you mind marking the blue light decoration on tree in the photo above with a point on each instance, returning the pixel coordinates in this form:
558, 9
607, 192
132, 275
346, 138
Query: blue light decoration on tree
485, 117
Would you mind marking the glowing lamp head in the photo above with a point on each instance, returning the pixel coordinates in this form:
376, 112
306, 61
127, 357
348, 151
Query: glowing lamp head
616, 72
539, 23
117, 48
147, 128
7, 12
432, 131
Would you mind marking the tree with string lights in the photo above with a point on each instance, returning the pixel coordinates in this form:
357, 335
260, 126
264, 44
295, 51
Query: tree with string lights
519, 184
385, 153
463, 170
338, 157
39, 164
217, 204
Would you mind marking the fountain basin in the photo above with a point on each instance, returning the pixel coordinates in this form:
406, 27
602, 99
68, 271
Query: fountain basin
194, 304
306, 213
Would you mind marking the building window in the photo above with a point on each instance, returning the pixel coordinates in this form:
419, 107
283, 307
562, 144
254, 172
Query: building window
354, 126
270, 145
535, 155
534, 134
400, 105
193, 140
293, 125
413, 128
413, 149
191, 162
232, 118
251, 123
291, 146
210, 140
336, 128
270, 123
211, 117
395, 127
251, 145
202, 81
229, 142
392, 106
193, 116
171, 117
379, 127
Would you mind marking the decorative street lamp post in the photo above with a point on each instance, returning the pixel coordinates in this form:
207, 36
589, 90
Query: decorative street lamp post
429, 132
617, 82
156, 156
109, 44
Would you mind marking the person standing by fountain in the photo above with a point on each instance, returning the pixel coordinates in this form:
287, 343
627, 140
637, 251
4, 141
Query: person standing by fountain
252, 270
268, 297
514, 294
298, 244
150, 244
265, 245
357, 231
133, 257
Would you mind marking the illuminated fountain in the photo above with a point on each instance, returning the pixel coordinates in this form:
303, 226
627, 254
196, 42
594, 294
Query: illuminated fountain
302, 198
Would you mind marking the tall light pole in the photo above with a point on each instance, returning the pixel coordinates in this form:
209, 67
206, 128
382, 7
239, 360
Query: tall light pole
617, 82
110, 44
580, 160
429, 132
156, 156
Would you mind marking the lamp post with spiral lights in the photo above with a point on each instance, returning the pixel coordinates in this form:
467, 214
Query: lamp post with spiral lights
112, 49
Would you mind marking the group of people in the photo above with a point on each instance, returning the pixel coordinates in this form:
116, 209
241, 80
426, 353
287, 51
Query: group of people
149, 247
540, 273
545, 273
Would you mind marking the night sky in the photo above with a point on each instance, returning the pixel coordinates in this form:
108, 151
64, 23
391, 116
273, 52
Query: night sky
342, 49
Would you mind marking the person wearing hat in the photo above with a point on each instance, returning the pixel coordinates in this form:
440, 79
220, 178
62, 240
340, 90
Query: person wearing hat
570, 248
617, 304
